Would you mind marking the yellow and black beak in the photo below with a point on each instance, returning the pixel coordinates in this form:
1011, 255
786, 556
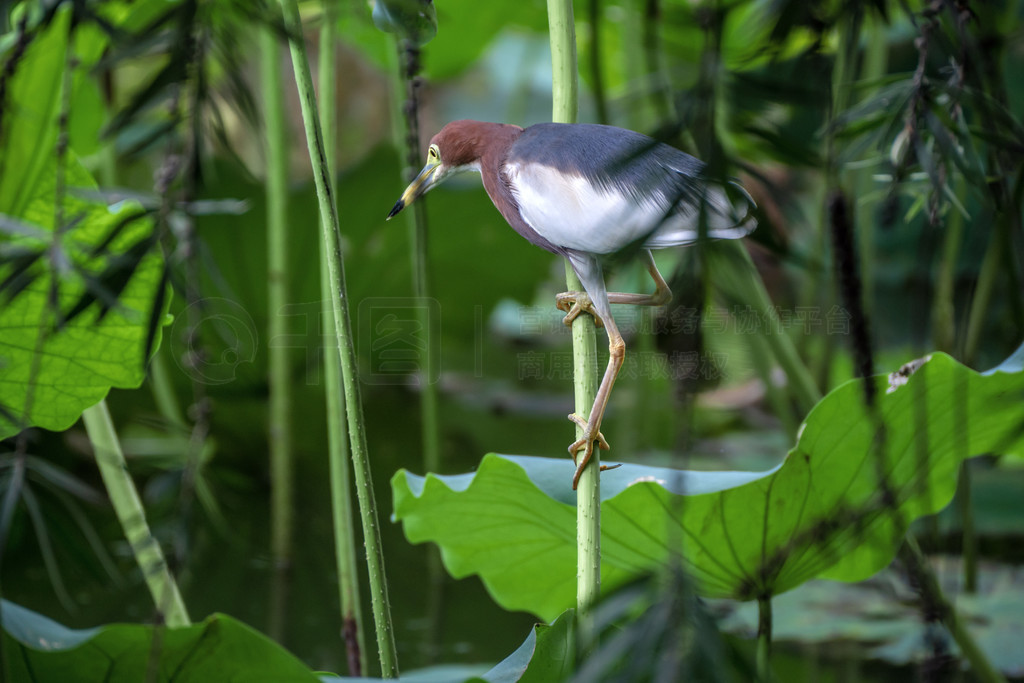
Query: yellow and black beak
427, 178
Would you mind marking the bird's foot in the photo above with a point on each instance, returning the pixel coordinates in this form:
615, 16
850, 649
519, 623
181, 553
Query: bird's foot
574, 303
586, 444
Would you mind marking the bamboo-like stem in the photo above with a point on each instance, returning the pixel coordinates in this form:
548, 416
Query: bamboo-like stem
279, 422
931, 593
337, 438
128, 507
565, 98
343, 327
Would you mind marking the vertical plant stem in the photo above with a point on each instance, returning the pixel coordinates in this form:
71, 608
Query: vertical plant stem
279, 423
343, 327
565, 98
337, 438
128, 507
764, 639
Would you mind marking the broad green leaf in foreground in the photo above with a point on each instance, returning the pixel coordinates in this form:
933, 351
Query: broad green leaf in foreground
50, 373
837, 506
219, 649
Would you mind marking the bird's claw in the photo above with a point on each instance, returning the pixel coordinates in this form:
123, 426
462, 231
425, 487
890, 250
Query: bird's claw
574, 303
586, 444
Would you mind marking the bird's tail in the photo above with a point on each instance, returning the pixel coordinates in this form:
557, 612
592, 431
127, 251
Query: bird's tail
727, 212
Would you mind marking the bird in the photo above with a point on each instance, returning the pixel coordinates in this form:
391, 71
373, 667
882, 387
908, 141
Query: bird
590, 193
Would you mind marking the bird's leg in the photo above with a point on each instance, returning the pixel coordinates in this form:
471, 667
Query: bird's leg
592, 426
662, 294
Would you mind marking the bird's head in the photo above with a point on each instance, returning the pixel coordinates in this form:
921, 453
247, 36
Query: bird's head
457, 147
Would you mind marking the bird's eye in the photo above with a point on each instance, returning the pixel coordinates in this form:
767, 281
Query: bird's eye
433, 154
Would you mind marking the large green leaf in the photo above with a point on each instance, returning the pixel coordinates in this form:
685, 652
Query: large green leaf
50, 372
837, 506
219, 649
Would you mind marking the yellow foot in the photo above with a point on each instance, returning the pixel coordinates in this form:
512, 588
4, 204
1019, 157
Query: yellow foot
574, 303
586, 444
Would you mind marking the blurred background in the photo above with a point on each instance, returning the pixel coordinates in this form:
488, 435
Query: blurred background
911, 109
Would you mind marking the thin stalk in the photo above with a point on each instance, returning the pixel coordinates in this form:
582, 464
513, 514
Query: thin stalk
128, 507
337, 438
279, 423
936, 603
764, 639
343, 327
565, 99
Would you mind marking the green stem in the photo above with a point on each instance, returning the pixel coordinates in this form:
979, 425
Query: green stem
337, 439
931, 594
343, 327
279, 423
565, 93
764, 639
565, 83
128, 507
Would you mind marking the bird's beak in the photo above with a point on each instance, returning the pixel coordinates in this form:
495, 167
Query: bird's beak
423, 182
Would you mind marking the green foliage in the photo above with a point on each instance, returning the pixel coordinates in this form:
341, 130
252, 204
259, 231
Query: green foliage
837, 506
224, 649
219, 649
81, 286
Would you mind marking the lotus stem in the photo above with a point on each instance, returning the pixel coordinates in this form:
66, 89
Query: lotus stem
379, 601
128, 507
337, 438
565, 99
